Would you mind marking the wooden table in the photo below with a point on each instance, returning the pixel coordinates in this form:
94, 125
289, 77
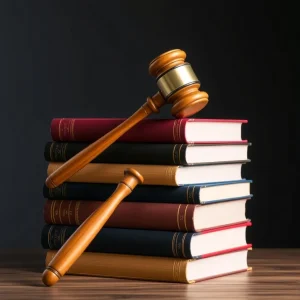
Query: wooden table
275, 275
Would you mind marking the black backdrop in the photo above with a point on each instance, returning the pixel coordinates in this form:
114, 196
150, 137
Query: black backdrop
90, 59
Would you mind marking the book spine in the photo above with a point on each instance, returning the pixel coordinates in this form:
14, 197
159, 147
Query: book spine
89, 130
128, 266
124, 241
152, 216
114, 173
142, 193
121, 153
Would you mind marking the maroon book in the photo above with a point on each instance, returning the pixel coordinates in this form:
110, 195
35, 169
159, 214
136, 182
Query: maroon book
150, 130
154, 216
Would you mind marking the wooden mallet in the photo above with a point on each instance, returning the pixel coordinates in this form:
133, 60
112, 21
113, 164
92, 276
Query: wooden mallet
177, 85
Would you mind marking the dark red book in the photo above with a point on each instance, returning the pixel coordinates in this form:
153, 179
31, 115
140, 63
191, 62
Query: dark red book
186, 131
152, 216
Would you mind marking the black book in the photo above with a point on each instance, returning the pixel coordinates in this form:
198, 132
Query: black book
153, 154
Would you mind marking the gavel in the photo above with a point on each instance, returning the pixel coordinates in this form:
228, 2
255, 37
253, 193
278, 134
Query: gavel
177, 85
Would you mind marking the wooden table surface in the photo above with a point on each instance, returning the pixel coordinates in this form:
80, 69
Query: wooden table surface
275, 275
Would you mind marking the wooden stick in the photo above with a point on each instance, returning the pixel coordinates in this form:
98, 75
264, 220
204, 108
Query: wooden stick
86, 232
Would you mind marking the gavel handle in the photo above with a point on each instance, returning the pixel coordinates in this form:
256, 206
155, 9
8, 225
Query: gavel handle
86, 232
82, 158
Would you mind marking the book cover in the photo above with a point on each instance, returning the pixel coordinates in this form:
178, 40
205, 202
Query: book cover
185, 130
165, 269
189, 194
155, 174
152, 153
153, 216
154, 242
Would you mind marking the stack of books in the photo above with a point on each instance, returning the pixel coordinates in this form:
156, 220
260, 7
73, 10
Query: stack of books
186, 222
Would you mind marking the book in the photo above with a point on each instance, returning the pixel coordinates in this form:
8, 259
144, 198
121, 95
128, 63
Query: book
152, 153
155, 174
155, 216
154, 242
166, 269
183, 131
188, 194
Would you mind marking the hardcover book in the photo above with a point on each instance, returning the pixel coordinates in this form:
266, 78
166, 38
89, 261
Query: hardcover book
153, 154
188, 194
155, 216
155, 174
182, 131
166, 269
154, 242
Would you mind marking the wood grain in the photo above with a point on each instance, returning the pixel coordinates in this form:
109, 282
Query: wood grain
275, 275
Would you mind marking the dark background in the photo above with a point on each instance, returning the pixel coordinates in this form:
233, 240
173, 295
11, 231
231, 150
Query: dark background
90, 59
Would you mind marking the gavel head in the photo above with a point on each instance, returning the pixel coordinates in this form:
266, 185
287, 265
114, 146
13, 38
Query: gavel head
178, 84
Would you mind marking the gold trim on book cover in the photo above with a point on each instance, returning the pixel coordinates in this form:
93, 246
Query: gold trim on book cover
173, 130
72, 123
174, 245
190, 195
52, 209
174, 270
179, 160
193, 194
177, 217
170, 172
69, 212
177, 270
184, 217
174, 161
77, 212
179, 129
59, 211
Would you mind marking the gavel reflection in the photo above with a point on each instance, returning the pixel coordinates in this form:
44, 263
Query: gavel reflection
178, 85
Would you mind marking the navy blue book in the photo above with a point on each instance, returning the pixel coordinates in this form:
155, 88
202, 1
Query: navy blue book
154, 243
188, 194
